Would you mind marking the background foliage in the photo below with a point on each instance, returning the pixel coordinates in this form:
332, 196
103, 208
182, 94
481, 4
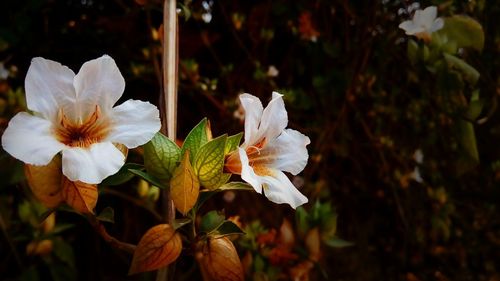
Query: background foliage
349, 85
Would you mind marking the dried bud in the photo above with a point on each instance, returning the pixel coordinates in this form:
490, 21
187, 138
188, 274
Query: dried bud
219, 260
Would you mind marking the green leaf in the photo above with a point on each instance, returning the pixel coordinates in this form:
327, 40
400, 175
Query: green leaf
336, 242
122, 176
149, 178
235, 185
467, 139
470, 73
232, 143
107, 215
227, 228
64, 252
198, 137
209, 162
301, 216
463, 31
160, 157
178, 223
61, 227
475, 106
211, 220
412, 51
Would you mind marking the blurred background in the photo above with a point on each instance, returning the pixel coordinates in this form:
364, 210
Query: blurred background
397, 189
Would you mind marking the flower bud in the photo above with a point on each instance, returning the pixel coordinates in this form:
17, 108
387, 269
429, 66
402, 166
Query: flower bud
219, 260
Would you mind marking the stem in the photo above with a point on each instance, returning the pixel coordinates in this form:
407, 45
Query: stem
115, 243
168, 102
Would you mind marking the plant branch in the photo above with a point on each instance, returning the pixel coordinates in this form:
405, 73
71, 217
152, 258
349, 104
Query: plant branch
115, 243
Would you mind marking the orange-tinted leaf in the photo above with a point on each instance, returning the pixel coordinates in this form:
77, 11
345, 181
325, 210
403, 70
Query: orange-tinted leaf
184, 186
219, 260
313, 244
45, 182
159, 247
80, 196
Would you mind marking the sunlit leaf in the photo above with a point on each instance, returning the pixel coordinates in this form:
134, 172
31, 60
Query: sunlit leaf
149, 178
161, 156
199, 136
463, 31
159, 247
468, 142
232, 143
107, 215
82, 197
45, 182
475, 106
235, 185
209, 162
184, 186
219, 260
470, 73
122, 176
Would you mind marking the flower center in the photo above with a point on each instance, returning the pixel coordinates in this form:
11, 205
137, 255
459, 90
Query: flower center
255, 158
82, 134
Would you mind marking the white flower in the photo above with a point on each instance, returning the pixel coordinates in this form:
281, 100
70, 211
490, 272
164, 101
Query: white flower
74, 114
272, 71
268, 150
423, 23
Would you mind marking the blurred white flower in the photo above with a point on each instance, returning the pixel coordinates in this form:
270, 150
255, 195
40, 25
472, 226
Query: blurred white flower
268, 150
4, 73
416, 176
74, 115
418, 156
423, 23
272, 71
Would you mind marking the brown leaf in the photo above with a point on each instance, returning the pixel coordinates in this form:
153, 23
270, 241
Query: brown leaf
184, 186
79, 195
159, 247
313, 244
287, 236
219, 260
45, 182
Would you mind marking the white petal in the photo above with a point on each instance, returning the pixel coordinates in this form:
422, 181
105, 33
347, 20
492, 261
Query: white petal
49, 86
408, 27
134, 123
437, 25
428, 15
274, 118
92, 165
30, 139
99, 82
253, 112
247, 173
289, 151
279, 189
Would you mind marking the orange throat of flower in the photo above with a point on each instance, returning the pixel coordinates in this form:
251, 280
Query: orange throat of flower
84, 133
256, 159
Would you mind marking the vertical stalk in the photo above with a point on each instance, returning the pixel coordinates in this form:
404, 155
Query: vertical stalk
168, 104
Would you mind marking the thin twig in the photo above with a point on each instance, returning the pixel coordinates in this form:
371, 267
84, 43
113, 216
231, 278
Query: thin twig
115, 243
